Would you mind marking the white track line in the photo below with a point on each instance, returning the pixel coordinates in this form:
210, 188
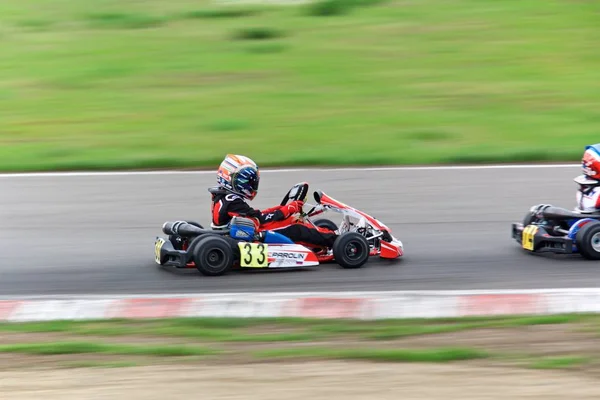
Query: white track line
275, 170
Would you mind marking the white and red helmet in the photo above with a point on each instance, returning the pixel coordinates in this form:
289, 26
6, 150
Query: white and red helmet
590, 164
240, 175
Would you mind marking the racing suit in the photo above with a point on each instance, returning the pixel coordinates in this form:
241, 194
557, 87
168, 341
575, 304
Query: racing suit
588, 198
225, 205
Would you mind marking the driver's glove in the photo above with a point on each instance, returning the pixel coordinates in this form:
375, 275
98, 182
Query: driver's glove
292, 208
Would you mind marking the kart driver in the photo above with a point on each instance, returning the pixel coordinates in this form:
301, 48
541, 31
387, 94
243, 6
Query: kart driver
237, 181
588, 195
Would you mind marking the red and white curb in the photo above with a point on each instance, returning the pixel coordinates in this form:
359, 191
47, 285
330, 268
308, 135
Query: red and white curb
354, 305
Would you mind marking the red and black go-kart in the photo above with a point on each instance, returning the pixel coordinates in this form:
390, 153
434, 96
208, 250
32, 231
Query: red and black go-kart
241, 245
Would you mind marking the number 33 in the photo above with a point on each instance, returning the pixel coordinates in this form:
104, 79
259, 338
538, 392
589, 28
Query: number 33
250, 254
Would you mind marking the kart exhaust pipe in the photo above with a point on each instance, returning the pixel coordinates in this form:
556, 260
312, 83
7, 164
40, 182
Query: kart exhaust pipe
558, 213
181, 228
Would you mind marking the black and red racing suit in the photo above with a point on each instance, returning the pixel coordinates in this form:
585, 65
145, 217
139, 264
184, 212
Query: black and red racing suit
226, 205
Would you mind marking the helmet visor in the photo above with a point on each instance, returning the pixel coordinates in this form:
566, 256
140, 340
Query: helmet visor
246, 181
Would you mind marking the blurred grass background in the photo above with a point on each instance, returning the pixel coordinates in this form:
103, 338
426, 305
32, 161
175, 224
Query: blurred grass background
153, 83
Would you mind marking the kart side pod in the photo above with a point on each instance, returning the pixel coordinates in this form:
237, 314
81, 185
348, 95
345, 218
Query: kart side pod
243, 229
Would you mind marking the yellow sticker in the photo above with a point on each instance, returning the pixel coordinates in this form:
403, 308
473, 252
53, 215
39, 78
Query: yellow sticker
253, 255
157, 247
527, 238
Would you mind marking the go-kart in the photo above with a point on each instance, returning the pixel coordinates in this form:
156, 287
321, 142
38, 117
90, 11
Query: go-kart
549, 229
241, 245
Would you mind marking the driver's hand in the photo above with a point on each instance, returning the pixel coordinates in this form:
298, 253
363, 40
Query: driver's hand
293, 208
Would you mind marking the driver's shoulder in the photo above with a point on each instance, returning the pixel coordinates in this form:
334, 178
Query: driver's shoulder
221, 193
234, 198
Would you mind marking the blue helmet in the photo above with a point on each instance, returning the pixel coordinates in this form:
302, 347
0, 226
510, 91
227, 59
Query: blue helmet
240, 175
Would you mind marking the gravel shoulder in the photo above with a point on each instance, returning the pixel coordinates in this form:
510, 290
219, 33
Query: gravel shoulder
546, 361
319, 380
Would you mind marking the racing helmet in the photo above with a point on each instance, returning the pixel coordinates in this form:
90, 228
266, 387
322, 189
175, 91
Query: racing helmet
590, 164
240, 175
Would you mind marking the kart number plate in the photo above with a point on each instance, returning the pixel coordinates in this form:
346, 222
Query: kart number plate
528, 234
157, 247
253, 255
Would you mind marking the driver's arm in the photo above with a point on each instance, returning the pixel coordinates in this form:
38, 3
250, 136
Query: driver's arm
241, 208
278, 213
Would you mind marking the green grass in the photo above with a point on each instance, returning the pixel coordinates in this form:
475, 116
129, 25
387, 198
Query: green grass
221, 13
389, 330
388, 355
255, 330
202, 329
258, 34
327, 8
54, 348
322, 338
123, 21
113, 84
564, 362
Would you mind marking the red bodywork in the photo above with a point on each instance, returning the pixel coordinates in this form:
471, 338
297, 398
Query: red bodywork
388, 250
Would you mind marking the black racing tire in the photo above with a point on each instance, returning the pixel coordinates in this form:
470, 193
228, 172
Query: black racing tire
213, 256
351, 250
325, 223
588, 240
177, 241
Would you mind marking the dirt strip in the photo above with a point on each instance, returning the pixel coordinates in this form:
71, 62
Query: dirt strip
325, 380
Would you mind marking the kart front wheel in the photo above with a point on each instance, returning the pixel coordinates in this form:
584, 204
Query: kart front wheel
588, 240
213, 256
351, 250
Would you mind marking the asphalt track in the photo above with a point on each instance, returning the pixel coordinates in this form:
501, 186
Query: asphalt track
83, 234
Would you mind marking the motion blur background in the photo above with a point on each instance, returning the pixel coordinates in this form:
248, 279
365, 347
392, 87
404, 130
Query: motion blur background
143, 84
154, 83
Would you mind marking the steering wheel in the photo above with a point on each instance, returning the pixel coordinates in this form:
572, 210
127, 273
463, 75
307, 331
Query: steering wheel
298, 192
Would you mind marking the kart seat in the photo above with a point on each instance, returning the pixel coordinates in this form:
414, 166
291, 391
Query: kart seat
216, 190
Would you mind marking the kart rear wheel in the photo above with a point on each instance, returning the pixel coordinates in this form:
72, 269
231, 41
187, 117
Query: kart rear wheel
588, 240
178, 241
213, 256
351, 250
325, 223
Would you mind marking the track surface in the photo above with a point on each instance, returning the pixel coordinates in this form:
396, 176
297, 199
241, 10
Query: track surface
95, 234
